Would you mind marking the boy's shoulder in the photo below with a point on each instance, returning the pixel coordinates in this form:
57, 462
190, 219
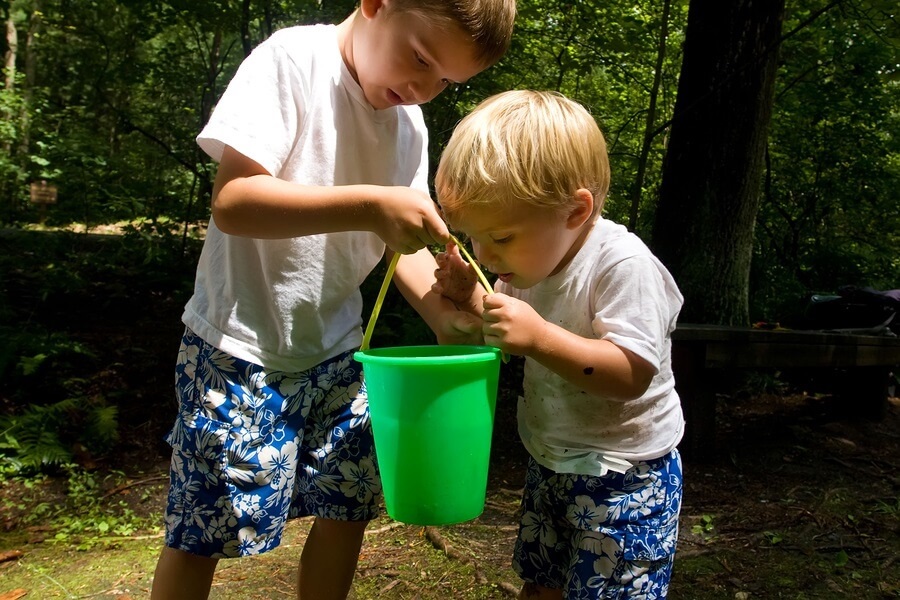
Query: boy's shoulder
309, 37
615, 240
311, 51
300, 44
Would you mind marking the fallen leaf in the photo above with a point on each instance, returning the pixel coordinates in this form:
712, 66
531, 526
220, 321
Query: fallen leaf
14, 595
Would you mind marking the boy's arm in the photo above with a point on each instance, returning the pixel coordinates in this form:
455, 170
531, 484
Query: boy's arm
596, 366
414, 277
248, 201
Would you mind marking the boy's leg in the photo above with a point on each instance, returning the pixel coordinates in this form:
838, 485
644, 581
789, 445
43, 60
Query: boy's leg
328, 561
182, 576
229, 491
598, 537
337, 481
534, 591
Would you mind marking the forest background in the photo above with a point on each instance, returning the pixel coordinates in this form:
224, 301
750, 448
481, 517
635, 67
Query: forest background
754, 147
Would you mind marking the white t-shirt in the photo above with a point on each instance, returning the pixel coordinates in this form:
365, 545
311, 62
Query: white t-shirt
614, 289
294, 108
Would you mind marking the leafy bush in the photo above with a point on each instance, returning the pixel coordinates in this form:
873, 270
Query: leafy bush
41, 434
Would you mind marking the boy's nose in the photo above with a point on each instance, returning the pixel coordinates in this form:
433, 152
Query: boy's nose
481, 253
426, 90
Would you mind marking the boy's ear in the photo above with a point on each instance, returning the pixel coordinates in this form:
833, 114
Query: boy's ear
369, 8
582, 210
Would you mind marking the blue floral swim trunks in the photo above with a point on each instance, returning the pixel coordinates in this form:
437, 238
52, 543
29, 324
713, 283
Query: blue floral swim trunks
601, 537
252, 448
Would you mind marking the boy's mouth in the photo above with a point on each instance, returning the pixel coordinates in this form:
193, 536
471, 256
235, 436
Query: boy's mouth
394, 98
504, 277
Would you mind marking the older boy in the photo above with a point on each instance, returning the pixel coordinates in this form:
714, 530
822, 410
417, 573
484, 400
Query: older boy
322, 156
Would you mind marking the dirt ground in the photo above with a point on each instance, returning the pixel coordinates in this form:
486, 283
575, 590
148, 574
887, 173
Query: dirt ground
800, 500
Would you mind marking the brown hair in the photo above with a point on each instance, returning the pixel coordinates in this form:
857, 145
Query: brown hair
488, 22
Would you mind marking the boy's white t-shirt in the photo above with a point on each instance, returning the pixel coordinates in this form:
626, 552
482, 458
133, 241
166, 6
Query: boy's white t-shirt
613, 289
294, 108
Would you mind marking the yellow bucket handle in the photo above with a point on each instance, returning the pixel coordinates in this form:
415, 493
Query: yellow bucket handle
392, 266
367, 337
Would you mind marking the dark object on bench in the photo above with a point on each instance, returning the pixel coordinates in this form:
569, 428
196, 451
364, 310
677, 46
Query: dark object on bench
701, 353
861, 310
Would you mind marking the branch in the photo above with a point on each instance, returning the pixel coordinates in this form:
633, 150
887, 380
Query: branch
438, 541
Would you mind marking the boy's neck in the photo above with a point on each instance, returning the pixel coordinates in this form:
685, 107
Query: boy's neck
345, 42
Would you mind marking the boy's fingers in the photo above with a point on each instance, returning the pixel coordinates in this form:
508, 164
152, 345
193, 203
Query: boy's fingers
437, 232
468, 323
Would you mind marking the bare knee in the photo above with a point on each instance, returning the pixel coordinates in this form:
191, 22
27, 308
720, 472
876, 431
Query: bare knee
180, 574
341, 529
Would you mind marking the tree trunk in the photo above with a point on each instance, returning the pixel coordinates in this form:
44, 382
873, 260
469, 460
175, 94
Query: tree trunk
35, 23
9, 53
245, 28
210, 95
704, 224
649, 134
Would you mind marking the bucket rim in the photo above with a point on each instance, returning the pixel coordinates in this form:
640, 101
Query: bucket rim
430, 355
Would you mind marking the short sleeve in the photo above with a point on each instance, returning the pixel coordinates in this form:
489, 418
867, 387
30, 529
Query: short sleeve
632, 309
261, 110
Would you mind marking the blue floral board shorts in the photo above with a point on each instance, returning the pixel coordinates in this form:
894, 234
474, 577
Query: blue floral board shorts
252, 448
601, 537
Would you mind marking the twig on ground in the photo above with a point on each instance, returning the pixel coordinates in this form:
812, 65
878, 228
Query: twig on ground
120, 488
383, 529
389, 586
112, 590
438, 541
509, 588
847, 465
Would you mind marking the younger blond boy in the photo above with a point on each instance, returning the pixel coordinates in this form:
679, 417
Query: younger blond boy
524, 176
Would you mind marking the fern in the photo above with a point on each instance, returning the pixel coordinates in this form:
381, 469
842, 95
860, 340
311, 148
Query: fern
41, 436
102, 429
37, 447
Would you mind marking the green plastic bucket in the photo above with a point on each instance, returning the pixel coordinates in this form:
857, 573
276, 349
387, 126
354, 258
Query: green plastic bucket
432, 411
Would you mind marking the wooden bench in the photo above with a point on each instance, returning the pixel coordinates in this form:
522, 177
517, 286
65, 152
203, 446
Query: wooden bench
702, 353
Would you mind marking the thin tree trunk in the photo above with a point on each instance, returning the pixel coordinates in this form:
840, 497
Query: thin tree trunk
704, 225
649, 134
9, 58
9, 61
34, 26
245, 28
210, 95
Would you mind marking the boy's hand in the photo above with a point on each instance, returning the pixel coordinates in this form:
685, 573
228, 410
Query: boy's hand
511, 325
454, 278
459, 327
409, 220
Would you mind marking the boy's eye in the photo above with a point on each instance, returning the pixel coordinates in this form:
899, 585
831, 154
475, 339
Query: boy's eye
503, 240
421, 60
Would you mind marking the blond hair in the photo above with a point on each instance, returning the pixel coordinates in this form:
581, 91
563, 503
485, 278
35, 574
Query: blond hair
523, 146
488, 22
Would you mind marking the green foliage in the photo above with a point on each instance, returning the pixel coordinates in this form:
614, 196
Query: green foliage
44, 434
59, 392
828, 216
115, 92
705, 527
85, 517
